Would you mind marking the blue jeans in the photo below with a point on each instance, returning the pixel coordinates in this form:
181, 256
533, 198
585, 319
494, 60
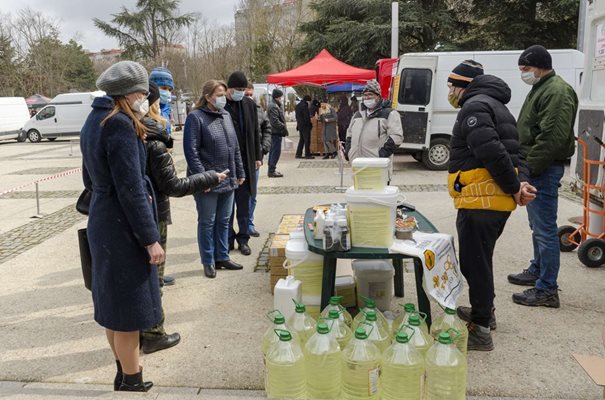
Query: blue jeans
213, 214
542, 214
274, 153
253, 203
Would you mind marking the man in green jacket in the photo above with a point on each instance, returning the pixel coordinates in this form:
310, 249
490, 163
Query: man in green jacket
546, 137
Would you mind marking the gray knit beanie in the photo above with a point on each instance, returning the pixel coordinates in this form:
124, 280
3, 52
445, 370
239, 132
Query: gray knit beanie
123, 78
372, 86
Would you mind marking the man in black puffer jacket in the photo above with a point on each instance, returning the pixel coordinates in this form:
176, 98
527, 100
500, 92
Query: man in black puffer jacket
485, 187
166, 183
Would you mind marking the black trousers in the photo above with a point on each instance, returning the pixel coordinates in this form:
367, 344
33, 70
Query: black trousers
304, 140
478, 231
241, 213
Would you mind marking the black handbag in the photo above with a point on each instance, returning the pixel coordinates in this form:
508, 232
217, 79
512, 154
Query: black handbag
85, 258
83, 203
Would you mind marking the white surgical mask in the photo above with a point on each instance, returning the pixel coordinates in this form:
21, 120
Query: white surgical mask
529, 77
369, 103
237, 95
220, 102
141, 106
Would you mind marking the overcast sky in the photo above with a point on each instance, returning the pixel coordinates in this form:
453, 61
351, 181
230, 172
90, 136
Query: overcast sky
76, 15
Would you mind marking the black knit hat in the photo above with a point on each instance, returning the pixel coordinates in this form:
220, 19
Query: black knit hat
237, 80
154, 93
464, 73
536, 56
277, 93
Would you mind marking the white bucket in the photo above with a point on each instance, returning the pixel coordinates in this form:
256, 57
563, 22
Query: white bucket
375, 280
285, 291
372, 216
370, 173
305, 266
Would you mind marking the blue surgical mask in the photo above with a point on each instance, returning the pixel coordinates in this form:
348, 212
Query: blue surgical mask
220, 102
164, 96
237, 95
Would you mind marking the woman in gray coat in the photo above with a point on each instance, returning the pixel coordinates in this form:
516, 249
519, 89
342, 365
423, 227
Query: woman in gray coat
328, 116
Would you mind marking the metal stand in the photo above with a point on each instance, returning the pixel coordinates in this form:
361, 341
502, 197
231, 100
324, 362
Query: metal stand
341, 167
38, 213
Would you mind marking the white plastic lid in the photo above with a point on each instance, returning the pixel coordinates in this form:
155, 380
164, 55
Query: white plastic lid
299, 234
297, 249
372, 265
371, 162
345, 280
389, 194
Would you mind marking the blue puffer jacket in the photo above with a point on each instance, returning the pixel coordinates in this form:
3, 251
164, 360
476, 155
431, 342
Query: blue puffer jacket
210, 144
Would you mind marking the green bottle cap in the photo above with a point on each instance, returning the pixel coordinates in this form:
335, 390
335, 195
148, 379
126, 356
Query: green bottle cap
450, 311
409, 307
335, 300
371, 315
402, 337
300, 308
322, 328
285, 336
370, 303
361, 333
414, 320
333, 314
445, 338
279, 319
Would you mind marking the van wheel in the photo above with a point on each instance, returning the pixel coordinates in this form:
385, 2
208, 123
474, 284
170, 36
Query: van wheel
34, 136
52, 139
21, 137
437, 156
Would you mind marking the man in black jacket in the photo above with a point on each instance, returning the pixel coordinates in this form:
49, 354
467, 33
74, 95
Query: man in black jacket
245, 119
484, 185
279, 130
304, 126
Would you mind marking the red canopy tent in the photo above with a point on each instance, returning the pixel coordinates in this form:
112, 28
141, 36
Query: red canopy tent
322, 70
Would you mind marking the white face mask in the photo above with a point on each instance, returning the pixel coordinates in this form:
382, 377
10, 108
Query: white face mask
220, 102
370, 103
141, 106
529, 78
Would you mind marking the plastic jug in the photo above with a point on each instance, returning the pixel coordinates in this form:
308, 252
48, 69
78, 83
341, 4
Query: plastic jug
270, 338
301, 323
360, 368
445, 370
402, 370
449, 320
421, 338
339, 330
372, 216
305, 266
286, 290
402, 318
285, 373
322, 364
370, 304
375, 281
378, 335
334, 304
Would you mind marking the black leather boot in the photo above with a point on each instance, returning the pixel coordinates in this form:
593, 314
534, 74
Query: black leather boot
134, 383
117, 381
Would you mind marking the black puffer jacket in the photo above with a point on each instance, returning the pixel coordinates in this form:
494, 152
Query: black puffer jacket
161, 170
484, 148
265, 130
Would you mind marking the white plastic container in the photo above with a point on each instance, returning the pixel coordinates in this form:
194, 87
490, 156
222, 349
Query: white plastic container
345, 287
372, 216
375, 280
371, 173
286, 290
305, 266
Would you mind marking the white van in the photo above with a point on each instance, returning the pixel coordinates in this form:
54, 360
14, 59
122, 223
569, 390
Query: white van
420, 92
63, 116
13, 115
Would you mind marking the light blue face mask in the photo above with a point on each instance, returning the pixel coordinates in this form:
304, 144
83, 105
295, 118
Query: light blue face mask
237, 95
164, 96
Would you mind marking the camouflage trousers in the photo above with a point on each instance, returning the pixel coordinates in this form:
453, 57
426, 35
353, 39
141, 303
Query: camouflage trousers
158, 330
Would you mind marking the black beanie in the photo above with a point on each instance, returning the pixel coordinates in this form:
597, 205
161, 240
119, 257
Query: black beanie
536, 56
154, 93
277, 93
464, 73
237, 80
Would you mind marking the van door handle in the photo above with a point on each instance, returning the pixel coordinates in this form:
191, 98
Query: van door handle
55, 119
419, 109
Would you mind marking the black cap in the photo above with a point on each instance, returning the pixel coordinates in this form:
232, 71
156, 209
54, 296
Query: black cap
154, 93
536, 56
464, 73
277, 93
237, 80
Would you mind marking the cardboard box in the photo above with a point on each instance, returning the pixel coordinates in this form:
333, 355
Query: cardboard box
290, 223
594, 366
278, 246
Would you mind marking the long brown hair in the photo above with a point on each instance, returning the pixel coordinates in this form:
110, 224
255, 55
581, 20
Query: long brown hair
207, 90
155, 114
121, 104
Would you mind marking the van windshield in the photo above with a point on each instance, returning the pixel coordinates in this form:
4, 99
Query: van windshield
415, 86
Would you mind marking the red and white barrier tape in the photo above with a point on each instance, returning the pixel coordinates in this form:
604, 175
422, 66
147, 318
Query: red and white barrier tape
48, 178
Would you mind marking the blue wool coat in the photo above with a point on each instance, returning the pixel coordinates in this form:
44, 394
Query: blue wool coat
210, 143
122, 221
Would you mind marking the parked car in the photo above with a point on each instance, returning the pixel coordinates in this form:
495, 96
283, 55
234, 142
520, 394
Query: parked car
13, 115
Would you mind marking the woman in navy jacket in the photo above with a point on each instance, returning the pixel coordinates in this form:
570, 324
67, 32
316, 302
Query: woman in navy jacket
122, 228
210, 143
